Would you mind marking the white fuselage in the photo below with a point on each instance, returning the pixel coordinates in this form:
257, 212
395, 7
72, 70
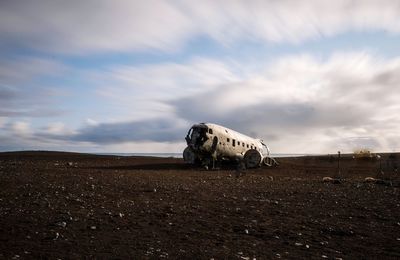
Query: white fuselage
219, 142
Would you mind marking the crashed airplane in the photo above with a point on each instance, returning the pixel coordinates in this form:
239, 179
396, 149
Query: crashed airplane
209, 143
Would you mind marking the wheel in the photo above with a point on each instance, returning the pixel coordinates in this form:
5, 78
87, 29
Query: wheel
252, 158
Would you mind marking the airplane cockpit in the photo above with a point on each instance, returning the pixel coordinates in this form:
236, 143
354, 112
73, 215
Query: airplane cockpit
196, 136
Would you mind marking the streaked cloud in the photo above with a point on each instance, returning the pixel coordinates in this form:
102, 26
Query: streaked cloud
22, 94
306, 97
144, 90
93, 26
343, 102
90, 26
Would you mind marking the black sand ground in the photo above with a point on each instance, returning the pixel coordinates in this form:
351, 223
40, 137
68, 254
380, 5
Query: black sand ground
63, 205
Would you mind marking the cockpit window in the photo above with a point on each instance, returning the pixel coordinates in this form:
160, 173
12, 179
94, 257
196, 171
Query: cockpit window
196, 136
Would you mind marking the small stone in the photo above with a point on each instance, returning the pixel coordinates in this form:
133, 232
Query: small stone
370, 179
93, 227
298, 244
62, 224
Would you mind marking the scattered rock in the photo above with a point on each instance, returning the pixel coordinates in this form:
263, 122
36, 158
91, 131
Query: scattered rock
331, 180
370, 179
62, 224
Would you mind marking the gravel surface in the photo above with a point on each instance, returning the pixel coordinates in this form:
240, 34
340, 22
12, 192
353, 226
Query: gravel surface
65, 205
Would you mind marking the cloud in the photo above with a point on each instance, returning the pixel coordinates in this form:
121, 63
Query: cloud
3, 121
95, 26
20, 128
145, 90
297, 104
77, 27
154, 130
58, 128
21, 69
300, 98
22, 94
165, 137
289, 21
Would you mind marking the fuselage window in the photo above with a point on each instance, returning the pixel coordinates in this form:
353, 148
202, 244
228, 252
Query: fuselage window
243, 144
227, 139
238, 143
233, 142
210, 131
247, 145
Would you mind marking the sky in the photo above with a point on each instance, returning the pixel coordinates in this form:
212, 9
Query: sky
133, 76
